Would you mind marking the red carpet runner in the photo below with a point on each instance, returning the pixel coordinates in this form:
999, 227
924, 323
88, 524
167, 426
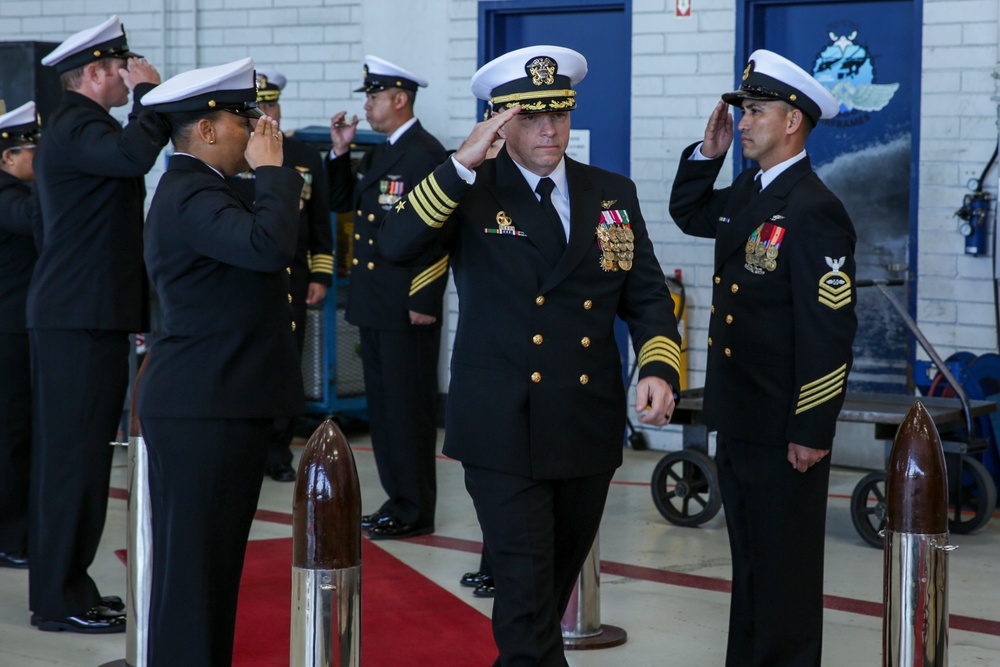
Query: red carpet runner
406, 619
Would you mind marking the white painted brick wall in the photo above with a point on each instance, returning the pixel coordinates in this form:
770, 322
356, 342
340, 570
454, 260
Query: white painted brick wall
679, 68
958, 133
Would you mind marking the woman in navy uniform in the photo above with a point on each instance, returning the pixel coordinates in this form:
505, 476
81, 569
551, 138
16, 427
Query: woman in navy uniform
779, 351
536, 407
226, 364
312, 267
18, 216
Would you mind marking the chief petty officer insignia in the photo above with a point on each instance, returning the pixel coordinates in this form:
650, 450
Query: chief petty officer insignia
615, 240
834, 286
390, 192
762, 248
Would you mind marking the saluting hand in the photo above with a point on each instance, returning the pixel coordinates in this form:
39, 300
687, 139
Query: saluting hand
264, 147
342, 132
137, 71
719, 132
473, 150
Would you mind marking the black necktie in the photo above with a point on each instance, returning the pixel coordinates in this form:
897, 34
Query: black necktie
544, 189
758, 184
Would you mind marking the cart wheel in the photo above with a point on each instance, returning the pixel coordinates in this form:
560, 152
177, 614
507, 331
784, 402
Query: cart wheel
686, 488
638, 442
976, 497
868, 507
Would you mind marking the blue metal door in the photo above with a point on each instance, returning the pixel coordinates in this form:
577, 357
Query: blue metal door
868, 55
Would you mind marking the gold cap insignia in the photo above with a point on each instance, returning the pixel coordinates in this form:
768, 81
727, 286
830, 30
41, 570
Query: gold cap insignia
542, 71
748, 70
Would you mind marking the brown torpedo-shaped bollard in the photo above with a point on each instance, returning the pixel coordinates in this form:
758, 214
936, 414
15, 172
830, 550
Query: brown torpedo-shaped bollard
326, 554
915, 595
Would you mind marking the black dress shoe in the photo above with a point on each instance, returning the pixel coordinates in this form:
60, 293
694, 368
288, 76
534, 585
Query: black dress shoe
393, 530
373, 519
282, 472
95, 621
16, 561
473, 579
485, 589
112, 605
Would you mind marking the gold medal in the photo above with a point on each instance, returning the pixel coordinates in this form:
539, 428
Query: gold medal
770, 264
629, 236
760, 250
772, 252
626, 264
751, 244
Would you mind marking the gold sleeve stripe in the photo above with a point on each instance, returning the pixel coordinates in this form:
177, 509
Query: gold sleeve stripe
821, 390
421, 208
446, 201
431, 203
819, 400
321, 263
826, 378
429, 275
660, 348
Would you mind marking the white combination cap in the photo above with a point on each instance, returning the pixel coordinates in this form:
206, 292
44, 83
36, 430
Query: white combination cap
230, 87
106, 40
381, 74
19, 125
769, 76
539, 78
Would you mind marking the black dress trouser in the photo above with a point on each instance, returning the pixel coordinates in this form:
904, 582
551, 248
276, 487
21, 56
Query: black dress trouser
15, 441
79, 379
776, 518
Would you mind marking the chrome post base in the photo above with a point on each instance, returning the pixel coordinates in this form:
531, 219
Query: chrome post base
326, 617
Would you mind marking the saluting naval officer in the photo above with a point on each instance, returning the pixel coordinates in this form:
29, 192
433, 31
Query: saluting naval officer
87, 293
546, 251
226, 364
779, 351
312, 267
397, 308
18, 211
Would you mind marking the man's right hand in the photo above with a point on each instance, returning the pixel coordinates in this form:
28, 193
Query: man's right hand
718, 132
472, 152
139, 71
342, 132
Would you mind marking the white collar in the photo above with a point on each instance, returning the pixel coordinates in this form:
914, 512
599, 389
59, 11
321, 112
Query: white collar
766, 177
394, 137
558, 177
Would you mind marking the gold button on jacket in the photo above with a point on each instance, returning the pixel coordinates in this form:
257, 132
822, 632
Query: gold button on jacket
537, 339
536, 377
